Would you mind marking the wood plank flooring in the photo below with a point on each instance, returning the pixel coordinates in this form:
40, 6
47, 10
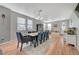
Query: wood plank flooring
61, 48
58, 47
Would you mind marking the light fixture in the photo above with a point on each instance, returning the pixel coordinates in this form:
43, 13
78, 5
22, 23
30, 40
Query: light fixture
3, 17
39, 14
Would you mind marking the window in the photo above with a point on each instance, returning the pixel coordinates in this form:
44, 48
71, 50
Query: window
29, 25
63, 26
49, 27
44, 26
21, 24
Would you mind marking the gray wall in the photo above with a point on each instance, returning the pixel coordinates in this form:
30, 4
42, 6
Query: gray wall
8, 28
4, 25
13, 26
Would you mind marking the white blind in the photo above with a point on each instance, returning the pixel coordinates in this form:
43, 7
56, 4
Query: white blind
29, 25
21, 24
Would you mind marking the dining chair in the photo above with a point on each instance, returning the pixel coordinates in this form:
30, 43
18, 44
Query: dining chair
22, 39
47, 35
43, 36
29, 31
35, 40
40, 37
18, 38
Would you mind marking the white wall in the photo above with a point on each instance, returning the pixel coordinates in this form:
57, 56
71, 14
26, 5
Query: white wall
59, 23
4, 25
74, 22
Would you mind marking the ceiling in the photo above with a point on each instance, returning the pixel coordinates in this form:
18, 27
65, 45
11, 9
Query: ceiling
50, 11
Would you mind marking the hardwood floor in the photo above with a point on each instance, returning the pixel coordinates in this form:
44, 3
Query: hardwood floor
10, 48
61, 48
58, 47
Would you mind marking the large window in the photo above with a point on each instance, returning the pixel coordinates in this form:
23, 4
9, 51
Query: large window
49, 26
29, 25
21, 24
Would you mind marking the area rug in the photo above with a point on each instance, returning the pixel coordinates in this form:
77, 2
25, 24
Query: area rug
40, 49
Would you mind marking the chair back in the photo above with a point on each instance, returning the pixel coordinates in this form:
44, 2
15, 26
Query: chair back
43, 35
29, 31
18, 37
39, 36
46, 34
23, 39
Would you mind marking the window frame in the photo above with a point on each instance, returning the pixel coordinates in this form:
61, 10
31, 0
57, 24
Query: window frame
29, 25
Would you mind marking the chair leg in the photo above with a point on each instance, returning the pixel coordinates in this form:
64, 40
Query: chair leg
43, 40
18, 45
46, 38
30, 43
21, 46
40, 41
34, 45
34, 42
37, 43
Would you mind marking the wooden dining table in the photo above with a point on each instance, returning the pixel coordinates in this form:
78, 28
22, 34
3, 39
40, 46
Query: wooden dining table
34, 38
32, 34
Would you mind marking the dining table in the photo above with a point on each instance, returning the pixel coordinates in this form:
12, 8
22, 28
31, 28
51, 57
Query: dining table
32, 34
34, 38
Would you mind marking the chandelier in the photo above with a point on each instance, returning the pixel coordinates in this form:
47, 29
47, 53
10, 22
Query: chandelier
39, 14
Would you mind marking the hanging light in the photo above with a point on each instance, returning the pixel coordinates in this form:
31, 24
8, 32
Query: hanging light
39, 14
